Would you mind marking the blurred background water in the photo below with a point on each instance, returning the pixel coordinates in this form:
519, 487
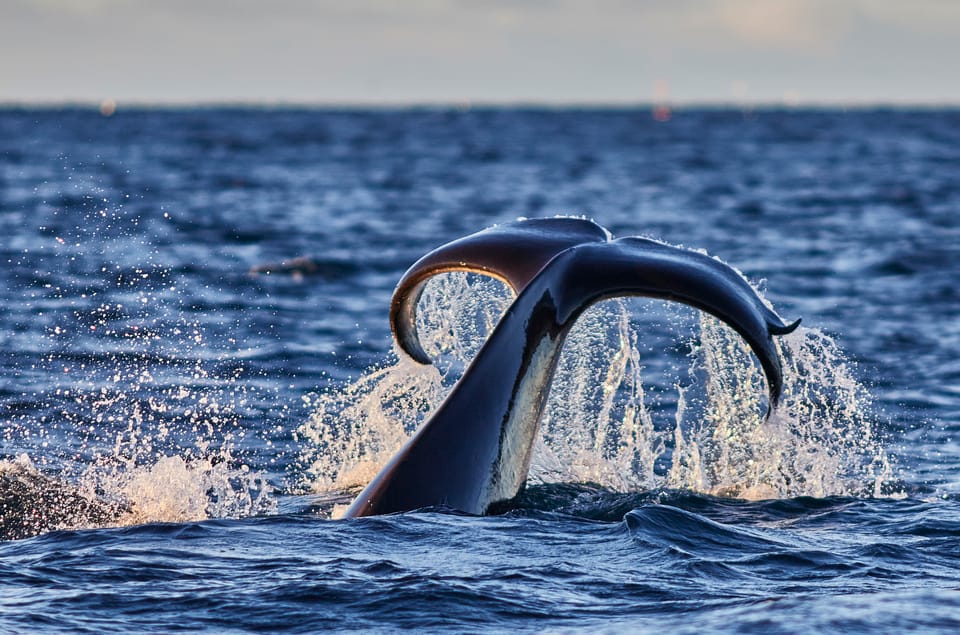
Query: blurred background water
164, 376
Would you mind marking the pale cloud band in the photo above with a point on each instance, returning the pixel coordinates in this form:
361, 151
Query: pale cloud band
554, 51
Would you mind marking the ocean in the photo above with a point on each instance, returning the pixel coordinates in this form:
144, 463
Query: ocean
198, 372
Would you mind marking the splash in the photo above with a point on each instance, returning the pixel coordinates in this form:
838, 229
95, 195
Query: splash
604, 425
600, 430
354, 430
144, 437
171, 454
137, 417
819, 441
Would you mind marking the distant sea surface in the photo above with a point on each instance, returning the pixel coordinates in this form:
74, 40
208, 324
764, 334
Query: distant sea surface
197, 372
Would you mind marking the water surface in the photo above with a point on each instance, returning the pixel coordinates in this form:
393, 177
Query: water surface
144, 364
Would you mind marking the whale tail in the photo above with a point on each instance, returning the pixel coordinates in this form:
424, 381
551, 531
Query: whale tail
514, 252
643, 267
475, 449
518, 251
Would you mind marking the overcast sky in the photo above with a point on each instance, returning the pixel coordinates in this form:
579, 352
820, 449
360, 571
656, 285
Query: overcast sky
375, 51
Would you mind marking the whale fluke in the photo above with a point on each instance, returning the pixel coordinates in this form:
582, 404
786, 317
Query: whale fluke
474, 452
648, 268
513, 252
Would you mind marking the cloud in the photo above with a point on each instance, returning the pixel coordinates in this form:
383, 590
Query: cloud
798, 25
451, 50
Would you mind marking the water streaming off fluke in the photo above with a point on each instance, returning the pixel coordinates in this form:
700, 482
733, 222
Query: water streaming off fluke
700, 427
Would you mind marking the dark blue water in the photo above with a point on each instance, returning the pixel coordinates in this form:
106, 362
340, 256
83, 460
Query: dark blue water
154, 390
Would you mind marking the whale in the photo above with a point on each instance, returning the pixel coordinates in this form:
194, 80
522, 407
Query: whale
473, 453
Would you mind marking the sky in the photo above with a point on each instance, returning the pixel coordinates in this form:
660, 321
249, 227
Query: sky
475, 51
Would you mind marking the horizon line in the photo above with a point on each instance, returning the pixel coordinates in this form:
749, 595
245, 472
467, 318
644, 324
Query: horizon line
467, 104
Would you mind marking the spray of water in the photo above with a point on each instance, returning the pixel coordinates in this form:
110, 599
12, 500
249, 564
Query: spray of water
132, 420
169, 450
142, 436
602, 426
356, 428
818, 442
599, 431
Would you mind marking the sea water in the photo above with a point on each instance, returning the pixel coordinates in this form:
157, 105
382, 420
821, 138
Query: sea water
184, 415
